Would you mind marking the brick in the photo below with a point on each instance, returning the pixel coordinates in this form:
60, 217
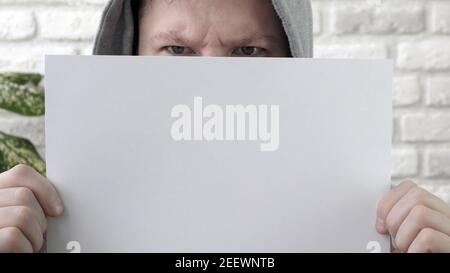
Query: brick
438, 91
59, 24
28, 57
386, 19
317, 19
425, 127
432, 54
440, 17
351, 50
437, 163
87, 50
406, 91
17, 25
405, 163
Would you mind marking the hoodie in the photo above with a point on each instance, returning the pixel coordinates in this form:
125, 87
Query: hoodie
117, 33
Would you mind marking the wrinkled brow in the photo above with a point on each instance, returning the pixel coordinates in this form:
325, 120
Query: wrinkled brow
177, 37
174, 37
251, 38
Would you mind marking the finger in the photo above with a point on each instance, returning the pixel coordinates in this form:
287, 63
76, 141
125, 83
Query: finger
388, 201
23, 197
414, 197
13, 240
429, 240
24, 176
420, 218
23, 219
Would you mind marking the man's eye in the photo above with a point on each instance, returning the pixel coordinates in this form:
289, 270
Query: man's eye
248, 51
179, 50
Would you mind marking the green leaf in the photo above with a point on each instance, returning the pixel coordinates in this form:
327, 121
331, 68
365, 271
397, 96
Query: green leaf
21, 78
22, 94
16, 150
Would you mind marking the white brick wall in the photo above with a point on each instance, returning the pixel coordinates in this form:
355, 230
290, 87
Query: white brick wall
414, 33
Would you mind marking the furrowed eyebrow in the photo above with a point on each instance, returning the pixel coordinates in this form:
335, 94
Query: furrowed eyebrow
173, 37
178, 39
252, 38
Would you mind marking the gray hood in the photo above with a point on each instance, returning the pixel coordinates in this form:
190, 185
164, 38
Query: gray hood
117, 35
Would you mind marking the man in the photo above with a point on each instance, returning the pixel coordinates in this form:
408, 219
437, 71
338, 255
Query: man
416, 220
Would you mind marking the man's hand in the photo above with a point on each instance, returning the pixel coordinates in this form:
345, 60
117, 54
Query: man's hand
416, 220
26, 198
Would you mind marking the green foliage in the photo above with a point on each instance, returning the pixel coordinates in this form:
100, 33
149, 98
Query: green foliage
21, 78
21, 93
15, 150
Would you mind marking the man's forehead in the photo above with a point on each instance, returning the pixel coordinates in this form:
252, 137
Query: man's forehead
252, 13
249, 5
229, 22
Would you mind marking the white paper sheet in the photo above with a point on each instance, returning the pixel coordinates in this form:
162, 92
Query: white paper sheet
130, 184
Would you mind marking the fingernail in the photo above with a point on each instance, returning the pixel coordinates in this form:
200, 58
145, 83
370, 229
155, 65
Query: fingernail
380, 224
58, 206
393, 243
